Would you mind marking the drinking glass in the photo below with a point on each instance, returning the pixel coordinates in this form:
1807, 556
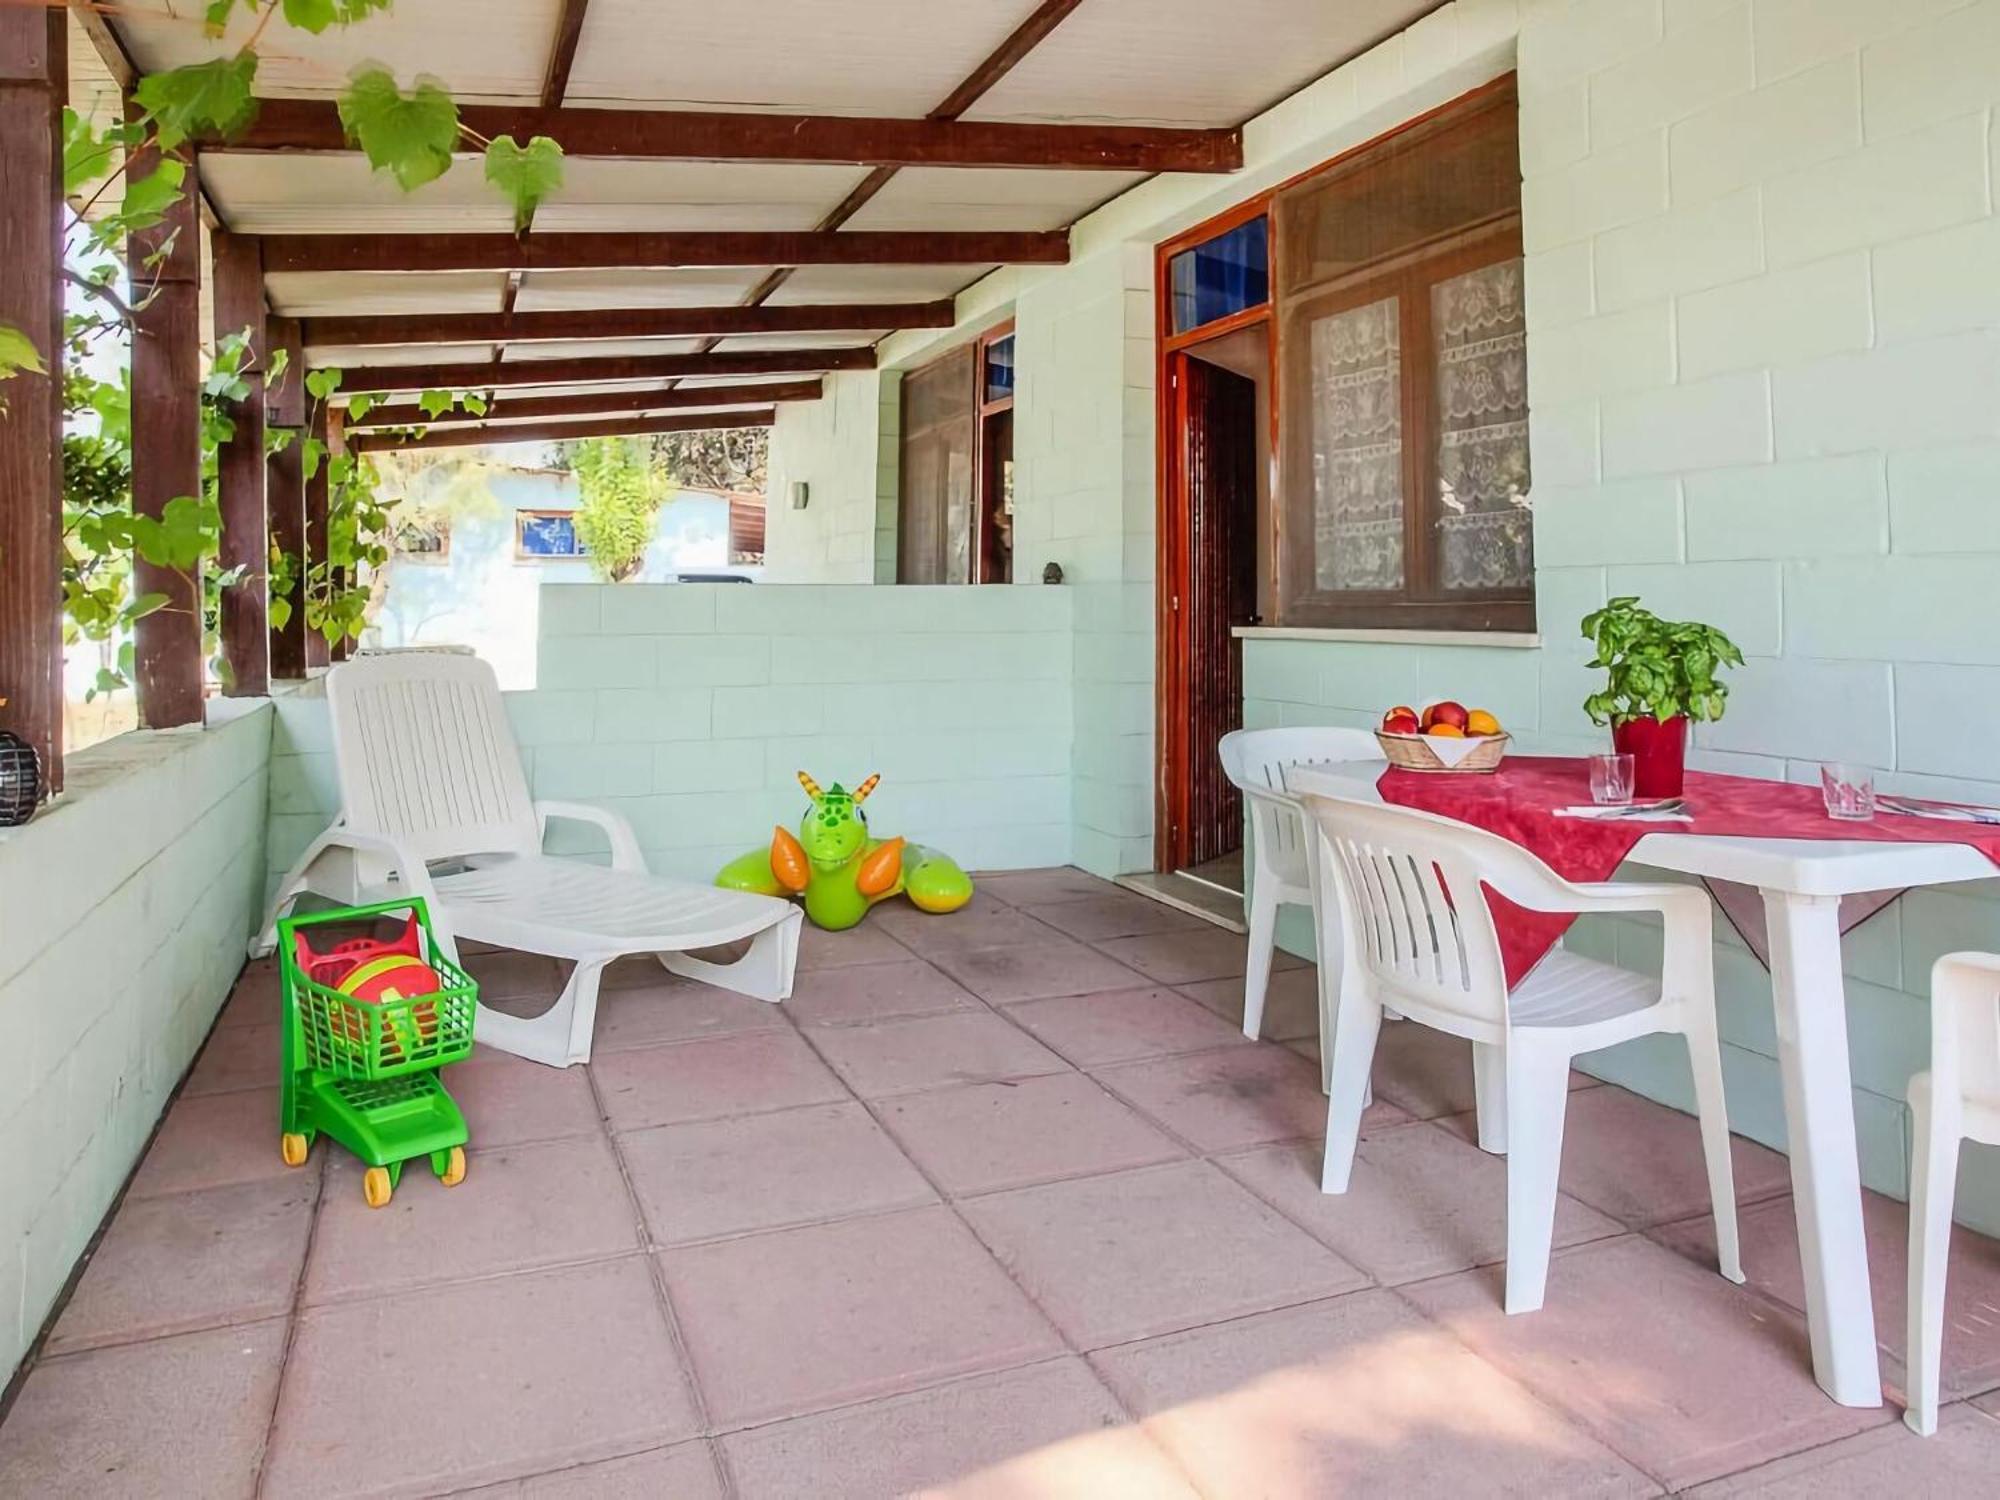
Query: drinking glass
1611, 779
1849, 791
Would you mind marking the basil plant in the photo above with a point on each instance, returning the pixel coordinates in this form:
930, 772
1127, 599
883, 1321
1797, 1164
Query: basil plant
1656, 668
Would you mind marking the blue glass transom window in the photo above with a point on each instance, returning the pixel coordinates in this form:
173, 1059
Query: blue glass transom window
546, 533
999, 370
1222, 276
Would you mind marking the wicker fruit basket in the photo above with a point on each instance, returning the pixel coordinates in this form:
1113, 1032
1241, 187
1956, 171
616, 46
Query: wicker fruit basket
1418, 752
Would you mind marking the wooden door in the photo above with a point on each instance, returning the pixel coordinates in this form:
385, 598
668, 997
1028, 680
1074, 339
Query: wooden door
1217, 590
937, 493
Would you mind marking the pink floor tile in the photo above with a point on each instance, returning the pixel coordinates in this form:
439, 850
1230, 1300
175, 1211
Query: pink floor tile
1124, 1025
684, 1472
672, 1009
507, 1100
1641, 1162
1053, 965
518, 1207
1145, 1252
1049, 1431
730, 1075
981, 924
1190, 957
866, 944
1770, 1243
1291, 1002
1424, 1071
1118, 914
1040, 887
1685, 1374
253, 1001
796, 1166
506, 974
237, 1057
1358, 1396
1958, 1462
1421, 1203
190, 1261
213, 1141
1240, 1096
895, 1057
786, 1323
989, 1136
533, 1372
874, 992
171, 1417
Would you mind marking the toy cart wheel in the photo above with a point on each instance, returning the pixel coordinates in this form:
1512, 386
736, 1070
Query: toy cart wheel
376, 1187
454, 1168
294, 1147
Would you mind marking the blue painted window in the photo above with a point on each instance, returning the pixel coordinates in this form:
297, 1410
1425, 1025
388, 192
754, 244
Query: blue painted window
999, 370
546, 533
1223, 275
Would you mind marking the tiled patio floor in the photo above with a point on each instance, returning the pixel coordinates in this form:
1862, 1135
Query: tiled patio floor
998, 1205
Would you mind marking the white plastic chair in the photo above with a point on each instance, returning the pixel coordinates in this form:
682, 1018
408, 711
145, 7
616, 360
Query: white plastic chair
1957, 1099
1257, 761
434, 804
1409, 897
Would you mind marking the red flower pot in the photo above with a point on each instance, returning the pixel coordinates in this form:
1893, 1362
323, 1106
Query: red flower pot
1658, 751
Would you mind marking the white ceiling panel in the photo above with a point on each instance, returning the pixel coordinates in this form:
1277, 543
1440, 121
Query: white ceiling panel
745, 343
988, 198
598, 348
561, 291
696, 381
603, 195
311, 194
875, 283
348, 357
1187, 62
574, 388
479, 49
339, 294
883, 57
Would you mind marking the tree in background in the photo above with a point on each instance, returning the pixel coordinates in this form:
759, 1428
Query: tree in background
622, 489
726, 458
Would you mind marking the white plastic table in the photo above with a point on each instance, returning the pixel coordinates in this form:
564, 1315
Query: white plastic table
1802, 881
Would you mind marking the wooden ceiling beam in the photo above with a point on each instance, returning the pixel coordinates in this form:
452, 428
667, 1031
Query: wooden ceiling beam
562, 56
486, 375
617, 323
284, 125
588, 252
596, 404
553, 432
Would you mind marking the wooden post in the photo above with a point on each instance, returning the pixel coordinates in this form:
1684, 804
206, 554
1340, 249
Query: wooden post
239, 304
317, 651
34, 81
163, 270
336, 447
285, 492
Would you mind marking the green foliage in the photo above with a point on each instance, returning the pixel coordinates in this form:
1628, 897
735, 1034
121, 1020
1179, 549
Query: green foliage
436, 403
622, 492
88, 153
1656, 668
18, 353
410, 136
526, 174
211, 96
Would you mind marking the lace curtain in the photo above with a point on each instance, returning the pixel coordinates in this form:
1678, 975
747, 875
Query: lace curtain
1484, 523
1357, 448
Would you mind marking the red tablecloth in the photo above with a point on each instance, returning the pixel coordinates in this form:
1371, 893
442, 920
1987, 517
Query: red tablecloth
1519, 800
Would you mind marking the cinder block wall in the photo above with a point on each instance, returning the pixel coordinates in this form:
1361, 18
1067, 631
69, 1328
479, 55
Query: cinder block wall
1764, 373
691, 707
124, 915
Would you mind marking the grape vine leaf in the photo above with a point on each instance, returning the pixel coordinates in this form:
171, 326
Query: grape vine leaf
360, 406
409, 136
322, 383
435, 403
526, 174
87, 155
474, 403
18, 353
211, 96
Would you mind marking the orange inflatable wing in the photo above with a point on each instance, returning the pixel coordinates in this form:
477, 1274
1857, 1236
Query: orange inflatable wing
788, 860
880, 868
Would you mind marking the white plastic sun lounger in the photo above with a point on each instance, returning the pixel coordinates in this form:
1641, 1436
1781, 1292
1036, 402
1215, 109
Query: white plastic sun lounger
434, 804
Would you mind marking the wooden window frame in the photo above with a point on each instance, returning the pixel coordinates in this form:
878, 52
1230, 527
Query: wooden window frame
978, 561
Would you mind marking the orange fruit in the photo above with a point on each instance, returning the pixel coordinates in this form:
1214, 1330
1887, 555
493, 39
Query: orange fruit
1479, 721
1446, 731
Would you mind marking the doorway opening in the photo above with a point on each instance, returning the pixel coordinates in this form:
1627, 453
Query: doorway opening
1218, 467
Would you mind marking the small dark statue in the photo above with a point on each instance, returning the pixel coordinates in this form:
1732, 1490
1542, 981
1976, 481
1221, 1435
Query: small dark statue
20, 779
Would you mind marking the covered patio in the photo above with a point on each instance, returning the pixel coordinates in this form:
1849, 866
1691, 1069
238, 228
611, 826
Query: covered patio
1138, 374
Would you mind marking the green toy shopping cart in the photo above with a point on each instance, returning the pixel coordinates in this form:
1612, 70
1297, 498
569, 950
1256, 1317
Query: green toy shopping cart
368, 1023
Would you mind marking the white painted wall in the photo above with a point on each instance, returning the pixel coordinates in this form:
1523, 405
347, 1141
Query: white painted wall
691, 707
124, 911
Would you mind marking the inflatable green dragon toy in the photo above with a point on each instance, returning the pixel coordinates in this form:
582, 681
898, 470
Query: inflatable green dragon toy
838, 870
